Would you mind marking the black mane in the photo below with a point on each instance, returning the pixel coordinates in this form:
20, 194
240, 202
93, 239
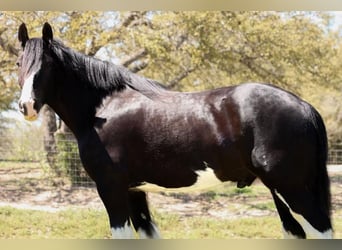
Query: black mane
104, 75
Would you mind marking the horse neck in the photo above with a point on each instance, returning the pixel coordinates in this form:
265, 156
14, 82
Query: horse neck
75, 104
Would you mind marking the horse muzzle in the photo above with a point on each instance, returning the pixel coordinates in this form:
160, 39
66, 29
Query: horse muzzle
28, 110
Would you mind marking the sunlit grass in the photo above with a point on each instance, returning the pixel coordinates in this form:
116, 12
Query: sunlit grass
92, 224
77, 224
85, 223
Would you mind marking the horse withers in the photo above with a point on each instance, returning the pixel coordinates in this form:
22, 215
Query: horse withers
132, 131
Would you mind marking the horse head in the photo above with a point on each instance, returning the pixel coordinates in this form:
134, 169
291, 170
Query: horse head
34, 65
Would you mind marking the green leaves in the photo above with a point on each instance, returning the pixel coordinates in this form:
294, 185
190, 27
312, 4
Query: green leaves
194, 50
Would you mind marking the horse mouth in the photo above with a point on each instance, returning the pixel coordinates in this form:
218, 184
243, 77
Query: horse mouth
28, 109
31, 118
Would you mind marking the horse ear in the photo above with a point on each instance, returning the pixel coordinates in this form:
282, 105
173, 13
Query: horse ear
23, 35
47, 33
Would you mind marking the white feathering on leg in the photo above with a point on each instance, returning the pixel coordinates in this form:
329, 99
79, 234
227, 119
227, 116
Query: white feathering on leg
125, 232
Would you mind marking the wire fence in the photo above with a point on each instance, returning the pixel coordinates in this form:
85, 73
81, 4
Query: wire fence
335, 156
62, 159
59, 157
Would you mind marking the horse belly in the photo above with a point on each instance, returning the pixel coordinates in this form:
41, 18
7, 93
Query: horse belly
210, 167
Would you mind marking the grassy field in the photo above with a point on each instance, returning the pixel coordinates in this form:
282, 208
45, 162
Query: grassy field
92, 224
86, 223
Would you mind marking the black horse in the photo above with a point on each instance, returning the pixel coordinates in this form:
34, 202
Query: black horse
131, 131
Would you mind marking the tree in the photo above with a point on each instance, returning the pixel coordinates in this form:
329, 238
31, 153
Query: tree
8, 54
201, 50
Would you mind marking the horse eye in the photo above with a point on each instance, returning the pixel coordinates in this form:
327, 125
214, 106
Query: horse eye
18, 64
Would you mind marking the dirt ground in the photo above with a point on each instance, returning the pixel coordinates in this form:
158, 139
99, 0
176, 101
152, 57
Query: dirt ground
30, 189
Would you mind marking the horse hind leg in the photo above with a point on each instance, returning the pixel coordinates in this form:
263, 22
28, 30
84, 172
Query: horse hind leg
303, 204
140, 215
292, 229
309, 214
263, 163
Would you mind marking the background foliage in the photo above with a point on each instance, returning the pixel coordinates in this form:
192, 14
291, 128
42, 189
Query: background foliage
190, 51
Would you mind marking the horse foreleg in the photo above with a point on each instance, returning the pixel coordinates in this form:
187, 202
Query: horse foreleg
115, 199
140, 215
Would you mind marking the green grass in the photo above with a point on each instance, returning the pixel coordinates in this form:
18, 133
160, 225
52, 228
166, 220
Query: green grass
77, 224
229, 189
93, 224
19, 165
210, 228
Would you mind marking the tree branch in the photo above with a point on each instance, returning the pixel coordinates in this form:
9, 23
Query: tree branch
127, 61
132, 17
259, 70
139, 66
7, 46
180, 77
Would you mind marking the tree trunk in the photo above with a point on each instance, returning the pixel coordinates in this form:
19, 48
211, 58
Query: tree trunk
49, 128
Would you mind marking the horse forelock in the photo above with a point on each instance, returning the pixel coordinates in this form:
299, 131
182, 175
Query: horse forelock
30, 59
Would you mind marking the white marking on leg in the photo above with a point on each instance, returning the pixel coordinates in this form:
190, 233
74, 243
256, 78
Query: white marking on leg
125, 232
281, 198
287, 234
155, 233
309, 230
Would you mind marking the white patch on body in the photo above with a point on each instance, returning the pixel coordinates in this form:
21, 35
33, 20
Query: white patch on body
27, 100
125, 232
155, 234
310, 231
205, 179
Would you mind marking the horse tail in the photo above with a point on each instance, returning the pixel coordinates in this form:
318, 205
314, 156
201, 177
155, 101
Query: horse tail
322, 182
